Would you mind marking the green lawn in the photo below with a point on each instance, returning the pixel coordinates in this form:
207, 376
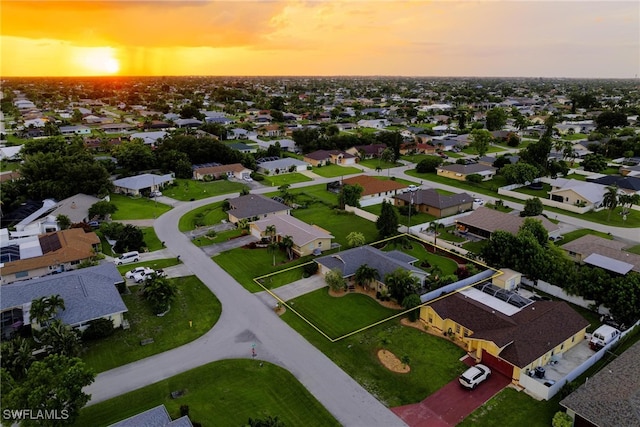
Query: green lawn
285, 178
447, 234
337, 316
151, 239
501, 208
331, 171
224, 393
223, 236
485, 187
195, 303
6, 166
136, 207
471, 150
575, 136
541, 194
576, 234
417, 158
188, 189
201, 217
313, 193
235, 262
634, 249
577, 177
434, 361
416, 218
475, 247
338, 223
378, 163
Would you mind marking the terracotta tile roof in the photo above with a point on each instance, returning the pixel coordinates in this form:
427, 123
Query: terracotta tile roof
530, 333
491, 220
373, 185
74, 245
611, 396
217, 170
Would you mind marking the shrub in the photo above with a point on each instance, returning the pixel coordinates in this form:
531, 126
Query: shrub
98, 328
474, 178
310, 269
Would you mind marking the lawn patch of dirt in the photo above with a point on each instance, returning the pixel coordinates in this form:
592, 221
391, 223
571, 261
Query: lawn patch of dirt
392, 363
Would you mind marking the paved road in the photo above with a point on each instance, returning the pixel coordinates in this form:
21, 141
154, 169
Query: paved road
245, 320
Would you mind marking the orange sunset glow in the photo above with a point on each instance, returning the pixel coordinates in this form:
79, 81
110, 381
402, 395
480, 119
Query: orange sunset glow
427, 38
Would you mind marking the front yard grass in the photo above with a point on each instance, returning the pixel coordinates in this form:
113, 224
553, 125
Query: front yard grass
330, 171
201, 217
434, 361
338, 223
576, 234
378, 163
541, 194
446, 265
220, 237
489, 188
492, 149
136, 207
223, 393
337, 316
286, 178
151, 239
189, 189
475, 247
154, 263
634, 249
194, 303
416, 218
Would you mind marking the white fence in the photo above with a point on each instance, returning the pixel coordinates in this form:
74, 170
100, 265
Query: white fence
547, 202
361, 213
558, 292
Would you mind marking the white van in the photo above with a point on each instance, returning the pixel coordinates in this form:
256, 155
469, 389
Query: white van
603, 336
127, 257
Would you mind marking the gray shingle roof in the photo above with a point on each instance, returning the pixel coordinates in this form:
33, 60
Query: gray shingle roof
612, 396
385, 262
146, 180
254, 205
88, 293
154, 417
431, 197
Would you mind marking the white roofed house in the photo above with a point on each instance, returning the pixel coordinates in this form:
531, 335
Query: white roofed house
139, 184
577, 193
280, 166
149, 138
307, 239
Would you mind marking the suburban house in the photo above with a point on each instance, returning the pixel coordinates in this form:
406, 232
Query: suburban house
238, 133
505, 331
374, 187
187, 123
242, 147
307, 239
75, 130
234, 170
367, 151
609, 397
384, 262
268, 129
323, 157
461, 172
10, 153
139, 184
149, 138
577, 193
116, 127
422, 148
430, 201
630, 170
627, 184
484, 221
154, 417
603, 253
254, 207
36, 256
374, 123
280, 166
88, 294
44, 220
285, 144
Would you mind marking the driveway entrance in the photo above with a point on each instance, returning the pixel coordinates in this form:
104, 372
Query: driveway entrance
451, 404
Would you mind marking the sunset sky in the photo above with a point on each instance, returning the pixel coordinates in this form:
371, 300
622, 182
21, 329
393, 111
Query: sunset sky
410, 38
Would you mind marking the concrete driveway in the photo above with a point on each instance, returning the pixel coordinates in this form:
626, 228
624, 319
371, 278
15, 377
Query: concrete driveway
229, 244
451, 404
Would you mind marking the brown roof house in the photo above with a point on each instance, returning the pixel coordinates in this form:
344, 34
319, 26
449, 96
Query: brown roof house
234, 170
603, 253
254, 207
484, 221
460, 172
307, 239
375, 187
610, 397
49, 253
510, 334
430, 201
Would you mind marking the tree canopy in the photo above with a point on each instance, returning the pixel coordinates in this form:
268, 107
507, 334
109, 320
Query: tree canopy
388, 221
496, 118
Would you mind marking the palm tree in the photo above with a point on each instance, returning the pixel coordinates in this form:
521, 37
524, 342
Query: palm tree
628, 200
272, 248
287, 244
355, 238
365, 275
610, 199
61, 339
44, 308
159, 291
270, 231
433, 228
17, 356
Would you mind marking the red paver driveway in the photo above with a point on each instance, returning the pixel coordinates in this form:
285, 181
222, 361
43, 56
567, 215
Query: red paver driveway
452, 403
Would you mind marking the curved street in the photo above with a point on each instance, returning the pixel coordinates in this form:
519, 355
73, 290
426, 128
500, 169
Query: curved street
246, 320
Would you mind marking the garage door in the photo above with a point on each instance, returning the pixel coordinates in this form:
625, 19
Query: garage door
497, 364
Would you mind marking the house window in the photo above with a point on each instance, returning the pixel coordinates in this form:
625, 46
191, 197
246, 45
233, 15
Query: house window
573, 338
319, 244
465, 332
75, 262
21, 274
562, 346
457, 329
430, 319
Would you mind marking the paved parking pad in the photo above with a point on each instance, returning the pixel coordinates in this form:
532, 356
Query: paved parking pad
451, 404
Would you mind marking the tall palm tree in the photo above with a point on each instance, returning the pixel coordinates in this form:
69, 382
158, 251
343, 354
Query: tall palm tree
433, 227
273, 247
159, 291
610, 199
17, 356
287, 244
44, 308
271, 232
61, 339
365, 275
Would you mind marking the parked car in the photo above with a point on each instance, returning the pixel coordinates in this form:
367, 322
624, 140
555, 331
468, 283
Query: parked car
411, 188
603, 336
478, 201
155, 194
248, 178
474, 376
144, 270
94, 224
127, 258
